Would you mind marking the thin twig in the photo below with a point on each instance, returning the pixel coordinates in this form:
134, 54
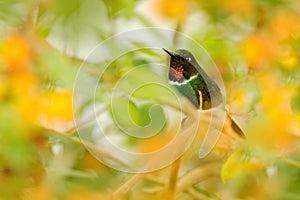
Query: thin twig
124, 188
195, 176
85, 121
187, 107
155, 180
194, 194
151, 163
292, 162
173, 178
89, 145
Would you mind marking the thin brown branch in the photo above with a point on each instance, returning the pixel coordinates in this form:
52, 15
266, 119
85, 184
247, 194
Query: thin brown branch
123, 189
184, 136
196, 175
173, 178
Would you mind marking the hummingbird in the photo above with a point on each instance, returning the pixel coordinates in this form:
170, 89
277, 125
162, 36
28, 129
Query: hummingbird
193, 82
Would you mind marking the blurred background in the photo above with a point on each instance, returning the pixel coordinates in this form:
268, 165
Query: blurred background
255, 45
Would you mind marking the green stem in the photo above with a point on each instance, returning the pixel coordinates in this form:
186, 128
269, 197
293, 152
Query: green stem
292, 162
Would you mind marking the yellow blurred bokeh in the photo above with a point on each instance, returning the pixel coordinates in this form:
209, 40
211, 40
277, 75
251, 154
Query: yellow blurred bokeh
254, 45
176, 9
15, 52
57, 107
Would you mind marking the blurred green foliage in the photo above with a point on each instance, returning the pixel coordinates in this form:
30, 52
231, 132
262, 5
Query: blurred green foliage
254, 43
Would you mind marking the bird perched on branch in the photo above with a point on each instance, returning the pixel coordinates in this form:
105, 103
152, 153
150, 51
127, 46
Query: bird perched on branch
193, 82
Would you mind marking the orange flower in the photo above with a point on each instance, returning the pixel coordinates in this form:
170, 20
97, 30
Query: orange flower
80, 195
22, 84
38, 192
154, 144
256, 50
15, 53
90, 162
237, 6
176, 9
285, 24
24, 89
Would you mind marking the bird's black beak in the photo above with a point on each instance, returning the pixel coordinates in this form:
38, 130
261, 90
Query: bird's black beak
168, 52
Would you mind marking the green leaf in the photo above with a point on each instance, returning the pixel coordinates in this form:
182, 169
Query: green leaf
143, 83
206, 193
57, 68
66, 7
232, 167
240, 163
12, 11
295, 102
142, 121
126, 6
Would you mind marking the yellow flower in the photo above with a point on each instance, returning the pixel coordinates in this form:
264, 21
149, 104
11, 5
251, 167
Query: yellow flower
241, 99
3, 89
15, 53
239, 164
277, 127
289, 61
57, 107
288, 58
176, 9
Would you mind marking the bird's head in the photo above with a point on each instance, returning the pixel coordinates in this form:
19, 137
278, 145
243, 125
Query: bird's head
183, 65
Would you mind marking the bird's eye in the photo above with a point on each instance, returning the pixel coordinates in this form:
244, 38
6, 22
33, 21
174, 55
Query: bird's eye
189, 59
